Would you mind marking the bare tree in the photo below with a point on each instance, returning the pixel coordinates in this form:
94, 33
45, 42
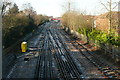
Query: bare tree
28, 10
67, 6
4, 6
119, 17
27, 6
109, 7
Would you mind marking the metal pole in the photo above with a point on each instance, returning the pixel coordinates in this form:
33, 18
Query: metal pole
68, 5
110, 16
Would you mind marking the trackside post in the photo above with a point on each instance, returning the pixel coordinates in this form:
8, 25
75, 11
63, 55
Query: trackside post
24, 46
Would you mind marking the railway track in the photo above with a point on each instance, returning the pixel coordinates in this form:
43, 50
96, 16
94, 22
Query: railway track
102, 66
59, 62
14, 63
45, 68
39, 61
53, 51
71, 71
56, 61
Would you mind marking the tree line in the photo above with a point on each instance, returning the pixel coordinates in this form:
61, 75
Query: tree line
83, 24
16, 24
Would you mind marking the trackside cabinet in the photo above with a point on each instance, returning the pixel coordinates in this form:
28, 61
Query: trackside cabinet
24, 46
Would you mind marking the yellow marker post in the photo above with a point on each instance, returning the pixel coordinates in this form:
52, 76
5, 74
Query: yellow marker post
24, 46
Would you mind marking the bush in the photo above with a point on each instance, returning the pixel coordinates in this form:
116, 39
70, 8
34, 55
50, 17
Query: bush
102, 37
83, 24
17, 25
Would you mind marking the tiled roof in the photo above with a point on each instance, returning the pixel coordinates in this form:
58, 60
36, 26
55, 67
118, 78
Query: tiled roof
106, 15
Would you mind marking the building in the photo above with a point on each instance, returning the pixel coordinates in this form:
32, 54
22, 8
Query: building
50, 18
102, 22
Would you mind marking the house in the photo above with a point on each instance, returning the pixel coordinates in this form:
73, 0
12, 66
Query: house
50, 18
102, 22
89, 19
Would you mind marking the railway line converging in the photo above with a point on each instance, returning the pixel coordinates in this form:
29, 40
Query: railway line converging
53, 55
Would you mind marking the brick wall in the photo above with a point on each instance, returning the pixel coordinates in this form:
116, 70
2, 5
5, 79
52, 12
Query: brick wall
102, 24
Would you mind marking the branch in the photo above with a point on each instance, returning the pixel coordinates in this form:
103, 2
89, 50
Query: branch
115, 6
104, 5
4, 5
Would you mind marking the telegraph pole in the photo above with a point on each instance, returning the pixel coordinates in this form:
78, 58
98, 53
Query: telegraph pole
110, 5
119, 17
109, 8
69, 5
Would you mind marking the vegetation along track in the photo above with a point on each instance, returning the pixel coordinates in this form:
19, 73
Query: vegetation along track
108, 70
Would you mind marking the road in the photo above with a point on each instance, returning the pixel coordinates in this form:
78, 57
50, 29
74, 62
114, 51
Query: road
53, 55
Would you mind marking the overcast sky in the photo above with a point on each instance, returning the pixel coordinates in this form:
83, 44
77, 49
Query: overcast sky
57, 7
